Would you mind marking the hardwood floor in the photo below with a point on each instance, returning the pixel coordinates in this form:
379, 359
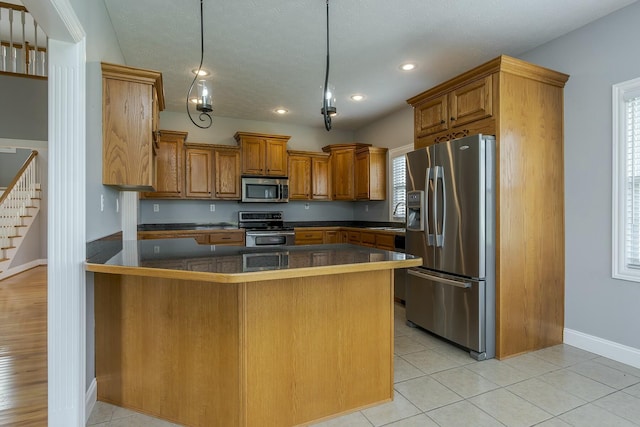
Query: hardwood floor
23, 349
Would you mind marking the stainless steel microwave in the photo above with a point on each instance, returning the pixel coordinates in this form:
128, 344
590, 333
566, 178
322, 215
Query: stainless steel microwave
261, 190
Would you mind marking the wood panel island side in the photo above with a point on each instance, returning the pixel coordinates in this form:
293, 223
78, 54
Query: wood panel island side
235, 336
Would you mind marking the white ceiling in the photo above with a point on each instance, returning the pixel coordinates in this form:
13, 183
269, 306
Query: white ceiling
265, 54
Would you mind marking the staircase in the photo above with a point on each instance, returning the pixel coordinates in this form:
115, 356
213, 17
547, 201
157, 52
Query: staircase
19, 206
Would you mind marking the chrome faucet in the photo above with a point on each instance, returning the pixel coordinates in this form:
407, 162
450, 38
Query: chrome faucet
395, 209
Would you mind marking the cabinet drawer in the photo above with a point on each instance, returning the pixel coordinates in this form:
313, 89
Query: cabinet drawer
368, 238
227, 238
353, 237
386, 241
311, 237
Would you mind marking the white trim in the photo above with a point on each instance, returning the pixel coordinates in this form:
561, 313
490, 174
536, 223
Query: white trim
24, 267
605, 348
129, 215
90, 399
57, 18
67, 340
619, 270
23, 143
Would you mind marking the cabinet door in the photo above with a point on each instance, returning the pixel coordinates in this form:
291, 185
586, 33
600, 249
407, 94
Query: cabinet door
471, 102
431, 117
309, 237
342, 165
227, 174
299, 177
321, 178
362, 175
276, 158
199, 178
253, 152
169, 172
127, 141
331, 237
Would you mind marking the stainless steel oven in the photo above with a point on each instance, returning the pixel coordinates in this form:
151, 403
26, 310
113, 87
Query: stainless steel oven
265, 229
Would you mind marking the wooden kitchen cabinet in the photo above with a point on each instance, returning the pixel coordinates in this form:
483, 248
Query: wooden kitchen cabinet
226, 170
262, 154
169, 166
306, 236
446, 114
309, 175
331, 236
233, 237
199, 171
131, 101
343, 161
522, 105
371, 173
226, 237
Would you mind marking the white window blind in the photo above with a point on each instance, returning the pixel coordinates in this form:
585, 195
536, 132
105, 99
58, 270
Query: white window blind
399, 198
626, 181
632, 187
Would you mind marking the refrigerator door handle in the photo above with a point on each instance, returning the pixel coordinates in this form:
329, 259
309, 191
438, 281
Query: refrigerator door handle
440, 178
438, 279
431, 239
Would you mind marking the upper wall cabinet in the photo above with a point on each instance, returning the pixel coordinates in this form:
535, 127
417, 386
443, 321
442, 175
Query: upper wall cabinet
132, 100
371, 173
309, 176
226, 172
262, 154
169, 166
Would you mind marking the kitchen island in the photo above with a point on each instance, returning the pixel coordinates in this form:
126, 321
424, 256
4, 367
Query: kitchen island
233, 336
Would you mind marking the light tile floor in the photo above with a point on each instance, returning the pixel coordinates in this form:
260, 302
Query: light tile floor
437, 384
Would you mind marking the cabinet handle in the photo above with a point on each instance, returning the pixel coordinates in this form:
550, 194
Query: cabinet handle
442, 122
453, 119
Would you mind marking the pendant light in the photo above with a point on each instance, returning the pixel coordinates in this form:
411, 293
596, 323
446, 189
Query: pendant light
328, 90
203, 102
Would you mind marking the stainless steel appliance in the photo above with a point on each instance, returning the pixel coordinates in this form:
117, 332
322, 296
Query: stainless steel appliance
451, 225
274, 190
265, 229
262, 261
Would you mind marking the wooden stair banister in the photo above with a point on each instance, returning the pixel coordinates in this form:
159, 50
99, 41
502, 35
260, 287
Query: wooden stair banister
16, 178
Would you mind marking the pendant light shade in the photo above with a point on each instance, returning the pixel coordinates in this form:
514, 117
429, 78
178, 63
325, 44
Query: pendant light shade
204, 100
328, 90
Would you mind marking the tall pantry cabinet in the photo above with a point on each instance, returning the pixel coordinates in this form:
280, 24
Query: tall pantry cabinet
522, 105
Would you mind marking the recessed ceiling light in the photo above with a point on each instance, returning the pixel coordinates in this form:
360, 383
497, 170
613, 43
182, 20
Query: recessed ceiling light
357, 97
281, 110
408, 66
201, 73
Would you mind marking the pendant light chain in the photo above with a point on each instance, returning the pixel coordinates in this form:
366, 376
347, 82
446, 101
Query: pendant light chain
325, 106
204, 116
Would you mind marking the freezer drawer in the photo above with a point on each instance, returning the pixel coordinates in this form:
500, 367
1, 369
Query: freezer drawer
448, 306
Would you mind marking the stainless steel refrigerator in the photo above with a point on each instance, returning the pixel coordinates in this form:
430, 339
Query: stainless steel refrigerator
451, 225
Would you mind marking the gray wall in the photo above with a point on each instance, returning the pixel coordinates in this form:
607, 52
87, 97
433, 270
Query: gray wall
25, 116
596, 56
10, 164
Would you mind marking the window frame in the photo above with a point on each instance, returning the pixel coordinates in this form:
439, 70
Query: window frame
391, 154
620, 269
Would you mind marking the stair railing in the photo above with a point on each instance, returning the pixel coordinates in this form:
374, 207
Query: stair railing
17, 198
21, 52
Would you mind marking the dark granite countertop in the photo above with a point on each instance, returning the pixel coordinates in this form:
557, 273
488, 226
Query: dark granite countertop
187, 255
228, 225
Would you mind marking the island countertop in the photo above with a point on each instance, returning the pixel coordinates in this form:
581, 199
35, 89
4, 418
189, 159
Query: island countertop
185, 259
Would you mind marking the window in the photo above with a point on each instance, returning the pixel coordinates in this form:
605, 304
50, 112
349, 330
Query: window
626, 180
397, 180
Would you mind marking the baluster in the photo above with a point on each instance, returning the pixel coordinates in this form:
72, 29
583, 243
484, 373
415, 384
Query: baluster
12, 53
25, 46
36, 69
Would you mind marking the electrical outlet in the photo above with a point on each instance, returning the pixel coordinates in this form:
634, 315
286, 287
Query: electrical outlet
366, 208
306, 206
102, 203
212, 207
156, 207
156, 249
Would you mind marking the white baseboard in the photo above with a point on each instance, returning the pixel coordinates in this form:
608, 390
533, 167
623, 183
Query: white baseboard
90, 399
609, 349
24, 267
